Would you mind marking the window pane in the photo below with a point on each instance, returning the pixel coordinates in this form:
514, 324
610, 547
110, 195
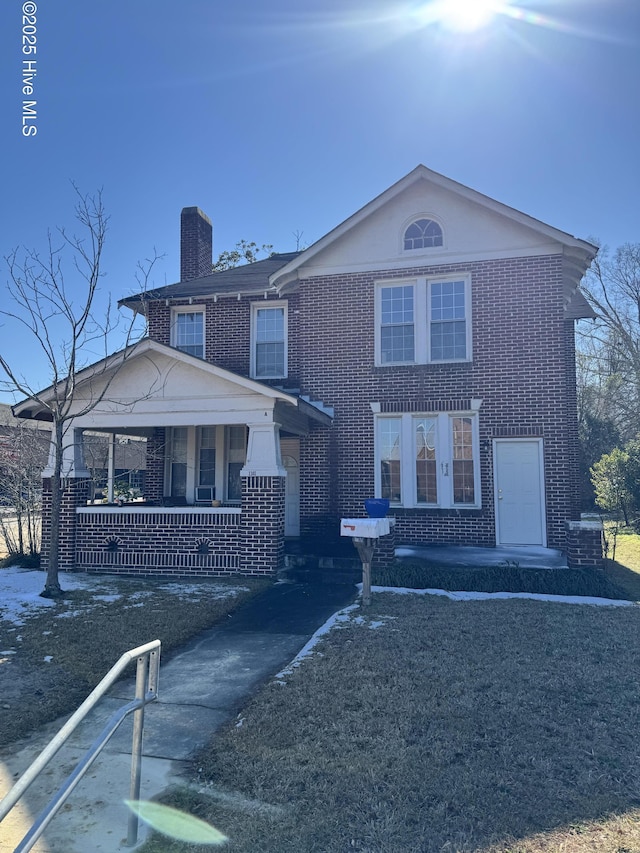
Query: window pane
236, 455
426, 475
270, 359
389, 442
270, 342
397, 329
234, 481
463, 468
189, 333
179, 462
448, 341
207, 460
448, 329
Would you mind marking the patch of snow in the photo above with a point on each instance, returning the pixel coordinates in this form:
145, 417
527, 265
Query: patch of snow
459, 595
20, 591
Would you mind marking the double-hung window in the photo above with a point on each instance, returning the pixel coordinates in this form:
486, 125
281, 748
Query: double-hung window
269, 340
423, 321
427, 460
187, 330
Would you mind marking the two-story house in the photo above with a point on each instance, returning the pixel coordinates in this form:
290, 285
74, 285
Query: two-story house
422, 351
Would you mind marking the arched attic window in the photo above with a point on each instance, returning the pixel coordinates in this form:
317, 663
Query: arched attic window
423, 234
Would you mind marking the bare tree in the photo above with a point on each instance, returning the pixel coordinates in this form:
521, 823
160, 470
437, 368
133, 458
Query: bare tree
68, 332
611, 344
23, 453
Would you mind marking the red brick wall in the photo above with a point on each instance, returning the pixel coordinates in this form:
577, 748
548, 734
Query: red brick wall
262, 524
585, 545
74, 494
522, 370
145, 542
154, 477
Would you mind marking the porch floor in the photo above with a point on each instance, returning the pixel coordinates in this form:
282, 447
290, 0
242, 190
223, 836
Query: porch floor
464, 556
339, 559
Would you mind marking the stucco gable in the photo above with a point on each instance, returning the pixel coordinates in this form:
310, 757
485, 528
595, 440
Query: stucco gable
151, 378
475, 227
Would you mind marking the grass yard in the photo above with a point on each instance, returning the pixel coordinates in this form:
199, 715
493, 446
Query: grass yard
431, 725
56, 654
426, 725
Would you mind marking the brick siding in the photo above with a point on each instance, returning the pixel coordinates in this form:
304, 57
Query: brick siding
166, 542
522, 369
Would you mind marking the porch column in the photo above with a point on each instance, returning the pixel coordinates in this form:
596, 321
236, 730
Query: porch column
111, 466
263, 494
75, 482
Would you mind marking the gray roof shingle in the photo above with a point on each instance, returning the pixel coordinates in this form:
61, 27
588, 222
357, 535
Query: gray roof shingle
246, 279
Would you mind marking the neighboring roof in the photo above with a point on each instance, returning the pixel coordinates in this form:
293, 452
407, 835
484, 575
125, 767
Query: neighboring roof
247, 279
289, 272
8, 419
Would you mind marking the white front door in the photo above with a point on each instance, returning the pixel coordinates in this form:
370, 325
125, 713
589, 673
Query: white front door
519, 495
290, 452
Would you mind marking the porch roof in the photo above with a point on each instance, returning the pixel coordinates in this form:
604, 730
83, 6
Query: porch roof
150, 384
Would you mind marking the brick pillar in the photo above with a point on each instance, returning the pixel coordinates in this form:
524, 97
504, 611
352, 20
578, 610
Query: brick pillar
584, 545
154, 476
262, 524
75, 493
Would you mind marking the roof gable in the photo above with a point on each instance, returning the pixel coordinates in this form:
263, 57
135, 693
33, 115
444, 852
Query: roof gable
150, 375
475, 227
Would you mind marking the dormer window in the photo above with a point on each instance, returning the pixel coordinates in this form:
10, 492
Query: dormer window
423, 234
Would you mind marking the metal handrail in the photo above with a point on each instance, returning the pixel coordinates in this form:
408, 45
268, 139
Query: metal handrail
148, 667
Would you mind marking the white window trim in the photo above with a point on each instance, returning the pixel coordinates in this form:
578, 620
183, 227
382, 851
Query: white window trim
261, 306
422, 318
188, 309
444, 459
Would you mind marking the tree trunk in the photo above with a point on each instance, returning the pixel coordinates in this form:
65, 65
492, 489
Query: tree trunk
52, 584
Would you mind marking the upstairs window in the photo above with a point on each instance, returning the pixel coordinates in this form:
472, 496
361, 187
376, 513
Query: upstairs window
448, 326
423, 234
269, 341
187, 331
396, 324
423, 321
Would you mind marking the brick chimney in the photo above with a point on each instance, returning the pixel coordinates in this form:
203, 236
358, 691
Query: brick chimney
196, 244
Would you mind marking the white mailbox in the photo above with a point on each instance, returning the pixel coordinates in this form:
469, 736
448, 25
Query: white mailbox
365, 528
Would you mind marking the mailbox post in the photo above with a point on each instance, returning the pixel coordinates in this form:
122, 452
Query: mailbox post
365, 533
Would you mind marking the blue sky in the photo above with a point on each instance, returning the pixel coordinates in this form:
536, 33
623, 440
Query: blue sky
287, 117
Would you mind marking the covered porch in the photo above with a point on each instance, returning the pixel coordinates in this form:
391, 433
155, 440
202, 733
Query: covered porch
219, 492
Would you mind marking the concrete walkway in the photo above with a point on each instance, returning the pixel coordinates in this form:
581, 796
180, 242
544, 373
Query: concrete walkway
201, 687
